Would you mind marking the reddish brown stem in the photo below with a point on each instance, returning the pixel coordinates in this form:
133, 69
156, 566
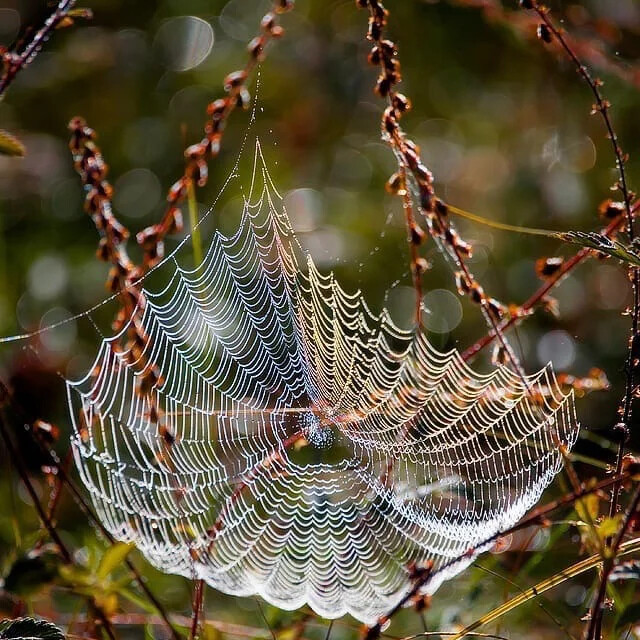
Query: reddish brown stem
537, 516
538, 296
196, 608
14, 62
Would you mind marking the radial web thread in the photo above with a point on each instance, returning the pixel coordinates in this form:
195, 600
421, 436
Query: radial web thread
319, 450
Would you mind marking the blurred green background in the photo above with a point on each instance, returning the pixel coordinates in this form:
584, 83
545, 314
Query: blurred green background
503, 124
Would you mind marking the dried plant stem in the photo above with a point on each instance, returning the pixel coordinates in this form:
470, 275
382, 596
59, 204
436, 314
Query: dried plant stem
67, 558
197, 156
17, 462
549, 284
91, 515
197, 608
15, 61
414, 178
627, 548
537, 517
602, 107
407, 204
608, 564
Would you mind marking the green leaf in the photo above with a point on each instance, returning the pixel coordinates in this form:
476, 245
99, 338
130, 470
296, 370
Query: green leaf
10, 145
609, 526
113, 557
603, 244
29, 629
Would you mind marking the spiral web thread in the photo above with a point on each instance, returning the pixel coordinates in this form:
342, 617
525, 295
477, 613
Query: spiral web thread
319, 450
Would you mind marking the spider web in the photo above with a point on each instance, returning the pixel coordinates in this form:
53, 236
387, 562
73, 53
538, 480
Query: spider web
318, 449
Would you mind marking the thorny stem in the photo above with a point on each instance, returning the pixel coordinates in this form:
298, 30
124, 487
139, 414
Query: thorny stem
14, 62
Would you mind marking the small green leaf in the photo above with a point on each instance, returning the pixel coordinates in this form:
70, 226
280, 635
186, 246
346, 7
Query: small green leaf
29, 629
609, 526
10, 145
113, 557
603, 244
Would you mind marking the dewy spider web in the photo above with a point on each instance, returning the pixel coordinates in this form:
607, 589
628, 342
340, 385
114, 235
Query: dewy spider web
317, 449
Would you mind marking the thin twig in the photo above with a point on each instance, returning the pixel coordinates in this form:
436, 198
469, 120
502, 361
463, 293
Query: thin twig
537, 516
539, 295
608, 565
15, 61
67, 558
197, 607
433, 209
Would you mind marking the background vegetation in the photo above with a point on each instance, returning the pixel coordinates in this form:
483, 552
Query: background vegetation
503, 122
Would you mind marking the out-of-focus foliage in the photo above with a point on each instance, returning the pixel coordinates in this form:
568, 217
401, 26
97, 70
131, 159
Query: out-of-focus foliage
504, 125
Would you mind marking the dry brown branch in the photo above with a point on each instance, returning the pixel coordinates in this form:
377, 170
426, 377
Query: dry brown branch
414, 176
14, 60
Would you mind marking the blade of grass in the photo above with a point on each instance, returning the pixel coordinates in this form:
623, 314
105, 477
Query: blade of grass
196, 240
548, 583
587, 239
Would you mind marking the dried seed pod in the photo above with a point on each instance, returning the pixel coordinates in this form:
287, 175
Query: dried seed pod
496, 309
234, 80
441, 208
256, 48
383, 85
177, 191
462, 284
423, 174
463, 248
243, 98
401, 103
610, 209
433, 222
395, 185
389, 120
375, 29
46, 429
499, 355
544, 33
476, 293
268, 22
551, 305
426, 198
547, 267
217, 107
420, 266
416, 234
104, 250
374, 57
282, 6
